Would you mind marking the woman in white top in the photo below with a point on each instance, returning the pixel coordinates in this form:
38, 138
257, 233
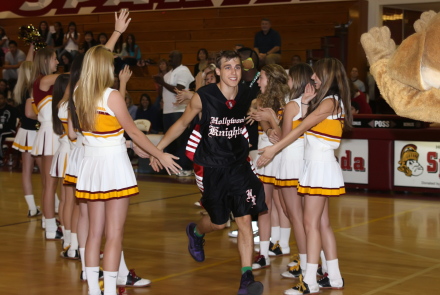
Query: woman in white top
71, 40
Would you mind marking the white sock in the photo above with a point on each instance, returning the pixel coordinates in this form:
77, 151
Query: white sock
73, 241
254, 225
51, 225
66, 234
93, 280
62, 229
333, 270
110, 278
123, 270
264, 249
284, 237
57, 201
31, 203
323, 262
83, 262
275, 234
310, 277
303, 261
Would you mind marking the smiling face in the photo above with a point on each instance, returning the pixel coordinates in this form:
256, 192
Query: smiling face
163, 67
88, 38
317, 81
210, 78
262, 82
230, 71
145, 102
202, 55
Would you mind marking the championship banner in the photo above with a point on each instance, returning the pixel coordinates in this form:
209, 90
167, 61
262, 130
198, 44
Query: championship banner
416, 164
352, 155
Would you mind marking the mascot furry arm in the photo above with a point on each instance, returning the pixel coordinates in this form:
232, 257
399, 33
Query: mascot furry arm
409, 77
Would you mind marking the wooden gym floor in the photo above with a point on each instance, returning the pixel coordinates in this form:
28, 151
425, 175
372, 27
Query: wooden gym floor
388, 244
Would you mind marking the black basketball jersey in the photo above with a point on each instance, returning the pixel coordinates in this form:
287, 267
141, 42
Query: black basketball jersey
220, 139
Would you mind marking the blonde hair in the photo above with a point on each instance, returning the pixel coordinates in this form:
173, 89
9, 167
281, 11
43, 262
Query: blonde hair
23, 81
96, 76
41, 64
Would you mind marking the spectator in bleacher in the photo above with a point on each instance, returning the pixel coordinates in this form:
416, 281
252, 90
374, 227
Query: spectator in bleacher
71, 40
355, 108
132, 109
119, 52
163, 69
354, 78
4, 87
296, 59
8, 121
4, 41
89, 42
102, 38
147, 111
116, 82
67, 61
179, 77
202, 58
58, 37
43, 29
372, 90
211, 58
132, 50
360, 98
13, 60
267, 44
200, 78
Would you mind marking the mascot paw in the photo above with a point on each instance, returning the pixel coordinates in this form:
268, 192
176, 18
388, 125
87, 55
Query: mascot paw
378, 44
421, 24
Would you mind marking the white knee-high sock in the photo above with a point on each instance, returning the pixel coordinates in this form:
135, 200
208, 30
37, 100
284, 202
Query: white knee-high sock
323, 262
66, 235
123, 270
303, 261
310, 277
333, 269
51, 225
57, 201
93, 280
73, 241
83, 262
31, 203
264, 249
284, 238
275, 234
110, 278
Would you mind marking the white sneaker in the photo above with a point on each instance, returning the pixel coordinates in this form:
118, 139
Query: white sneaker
233, 234
56, 235
295, 260
197, 204
260, 262
132, 280
256, 240
302, 288
33, 213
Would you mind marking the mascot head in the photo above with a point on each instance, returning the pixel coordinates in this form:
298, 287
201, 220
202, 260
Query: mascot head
409, 161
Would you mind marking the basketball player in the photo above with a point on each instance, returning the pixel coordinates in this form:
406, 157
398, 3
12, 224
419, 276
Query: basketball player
221, 148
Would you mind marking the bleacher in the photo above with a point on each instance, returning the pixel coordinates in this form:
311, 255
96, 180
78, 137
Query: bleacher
301, 26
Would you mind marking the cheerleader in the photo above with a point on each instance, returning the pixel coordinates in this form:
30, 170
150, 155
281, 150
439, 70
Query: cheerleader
46, 142
274, 93
59, 161
324, 119
291, 166
26, 135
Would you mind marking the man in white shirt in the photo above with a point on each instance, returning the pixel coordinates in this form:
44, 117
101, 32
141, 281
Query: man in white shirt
179, 77
13, 60
354, 77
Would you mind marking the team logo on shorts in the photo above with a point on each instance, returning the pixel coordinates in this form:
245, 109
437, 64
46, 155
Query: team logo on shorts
251, 198
409, 158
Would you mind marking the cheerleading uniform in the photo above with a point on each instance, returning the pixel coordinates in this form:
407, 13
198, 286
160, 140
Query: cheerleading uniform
59, 161
75, 158
105, 172
322, 175
46, 142
27, 132
219, 144
292, 157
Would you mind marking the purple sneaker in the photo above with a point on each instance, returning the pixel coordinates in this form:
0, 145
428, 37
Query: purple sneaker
248, 286
195, 246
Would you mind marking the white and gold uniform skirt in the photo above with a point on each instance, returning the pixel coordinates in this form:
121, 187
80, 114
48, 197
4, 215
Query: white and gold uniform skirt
322, 175
106, 173
268, 173
60, 158
75, 158
46, 141
291, 165
24, 140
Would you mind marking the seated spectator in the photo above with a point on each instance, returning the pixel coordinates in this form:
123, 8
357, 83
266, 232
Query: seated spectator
360, 98
132, 109
89, 42
102, 39
119, 52
267, 44
58, 37
202, 56
45, 33
296, 59
4, 88
147, 111
67, 61
71, 40
163, 69
354, 78
354, 108
211, 77
4, 41
13, 60
116, 82
133, 53
8, 122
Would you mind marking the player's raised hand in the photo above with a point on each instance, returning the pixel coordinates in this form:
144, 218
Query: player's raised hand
122, 21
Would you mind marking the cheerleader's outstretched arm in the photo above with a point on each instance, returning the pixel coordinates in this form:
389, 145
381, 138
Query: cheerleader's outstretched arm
121, 24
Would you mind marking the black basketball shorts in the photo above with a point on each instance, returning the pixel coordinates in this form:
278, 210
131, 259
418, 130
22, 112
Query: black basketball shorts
231, 189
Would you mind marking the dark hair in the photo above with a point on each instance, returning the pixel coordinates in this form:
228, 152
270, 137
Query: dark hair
99, 37
226, 54
356, 105
301, 75
296, 55
3, 94
204, 50
118, 46
246, 52
58, 92
75, 72
2, 33
353, 89
265, 20
76, 32
86, 45
5, 81
131, 47
166, 62
12, 42
43, 34
69, 57
148, 98
61, 28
